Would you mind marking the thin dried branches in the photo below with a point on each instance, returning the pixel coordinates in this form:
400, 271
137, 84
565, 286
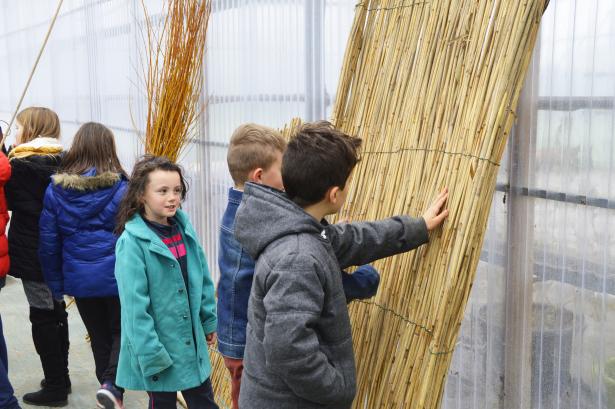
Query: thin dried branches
174, 79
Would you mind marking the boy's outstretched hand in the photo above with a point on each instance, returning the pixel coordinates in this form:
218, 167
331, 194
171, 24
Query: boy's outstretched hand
435, 214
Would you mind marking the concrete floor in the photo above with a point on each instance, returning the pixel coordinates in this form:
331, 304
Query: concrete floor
25, 370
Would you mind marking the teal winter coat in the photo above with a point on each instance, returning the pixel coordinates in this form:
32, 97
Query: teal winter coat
160, 319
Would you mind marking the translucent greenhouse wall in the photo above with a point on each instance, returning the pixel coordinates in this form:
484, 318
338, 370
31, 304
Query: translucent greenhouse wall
539, 330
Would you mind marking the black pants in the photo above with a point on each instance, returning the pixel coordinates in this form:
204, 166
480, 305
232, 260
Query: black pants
49, 332
50, 336
201, 397
101, 316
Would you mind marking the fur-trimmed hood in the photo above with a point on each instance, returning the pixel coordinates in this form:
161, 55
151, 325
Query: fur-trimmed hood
85, 195
83, 182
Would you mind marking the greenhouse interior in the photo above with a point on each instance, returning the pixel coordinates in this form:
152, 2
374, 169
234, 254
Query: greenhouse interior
537, 307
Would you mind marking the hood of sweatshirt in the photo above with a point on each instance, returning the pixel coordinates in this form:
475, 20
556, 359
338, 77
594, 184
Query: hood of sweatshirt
266, 215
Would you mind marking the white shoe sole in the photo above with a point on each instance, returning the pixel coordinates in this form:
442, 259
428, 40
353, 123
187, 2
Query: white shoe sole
106, 400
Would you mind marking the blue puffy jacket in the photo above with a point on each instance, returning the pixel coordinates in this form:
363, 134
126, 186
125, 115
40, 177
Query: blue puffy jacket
77, 243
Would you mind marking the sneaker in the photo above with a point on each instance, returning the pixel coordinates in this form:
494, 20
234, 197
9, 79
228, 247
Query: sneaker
109, 397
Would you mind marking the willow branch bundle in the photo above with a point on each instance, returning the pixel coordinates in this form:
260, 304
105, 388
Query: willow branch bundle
174, 78
432, 88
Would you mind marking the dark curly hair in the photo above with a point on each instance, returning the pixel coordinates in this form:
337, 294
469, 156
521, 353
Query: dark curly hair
131, 204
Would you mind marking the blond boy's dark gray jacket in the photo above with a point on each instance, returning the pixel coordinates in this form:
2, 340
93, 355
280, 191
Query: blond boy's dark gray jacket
299, 344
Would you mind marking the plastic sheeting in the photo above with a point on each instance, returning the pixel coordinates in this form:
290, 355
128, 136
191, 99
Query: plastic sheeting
539, 330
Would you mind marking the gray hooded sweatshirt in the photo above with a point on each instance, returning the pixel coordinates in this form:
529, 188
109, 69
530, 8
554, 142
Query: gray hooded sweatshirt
299, 343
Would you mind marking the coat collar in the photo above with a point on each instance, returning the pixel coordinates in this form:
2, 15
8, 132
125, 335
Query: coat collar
137, 227
37, 146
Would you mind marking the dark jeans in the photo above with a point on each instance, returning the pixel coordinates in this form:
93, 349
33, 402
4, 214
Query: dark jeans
101, 316
201, 397
7, 396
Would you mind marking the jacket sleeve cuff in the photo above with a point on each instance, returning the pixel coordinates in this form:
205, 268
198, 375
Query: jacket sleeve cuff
210, 326
416, 232
152, 365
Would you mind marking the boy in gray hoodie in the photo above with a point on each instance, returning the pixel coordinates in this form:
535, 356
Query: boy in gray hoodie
299, 344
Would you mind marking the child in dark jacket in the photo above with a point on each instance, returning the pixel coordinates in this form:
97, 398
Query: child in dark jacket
299, 342
36, 156
255, 155
77, 245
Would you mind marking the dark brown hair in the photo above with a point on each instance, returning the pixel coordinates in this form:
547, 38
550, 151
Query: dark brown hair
131, 204
93, 147
38, 121
252, 146
318, 158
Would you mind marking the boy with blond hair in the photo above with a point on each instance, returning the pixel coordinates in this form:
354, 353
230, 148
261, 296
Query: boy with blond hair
255, 155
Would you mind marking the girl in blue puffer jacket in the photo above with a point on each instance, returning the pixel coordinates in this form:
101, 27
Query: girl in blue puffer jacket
77, 245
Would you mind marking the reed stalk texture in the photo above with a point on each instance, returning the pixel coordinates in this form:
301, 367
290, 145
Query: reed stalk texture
432, 88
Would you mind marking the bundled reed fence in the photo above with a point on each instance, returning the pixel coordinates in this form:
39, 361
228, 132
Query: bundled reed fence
432, 88
173, 77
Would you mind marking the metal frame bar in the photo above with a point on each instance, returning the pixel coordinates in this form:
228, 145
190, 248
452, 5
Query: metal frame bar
600, 202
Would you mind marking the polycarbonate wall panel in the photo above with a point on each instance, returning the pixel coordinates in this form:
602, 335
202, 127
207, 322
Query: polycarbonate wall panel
540, 322
268, 61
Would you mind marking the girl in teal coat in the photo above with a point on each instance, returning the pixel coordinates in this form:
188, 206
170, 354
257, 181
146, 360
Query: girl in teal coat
166, 291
